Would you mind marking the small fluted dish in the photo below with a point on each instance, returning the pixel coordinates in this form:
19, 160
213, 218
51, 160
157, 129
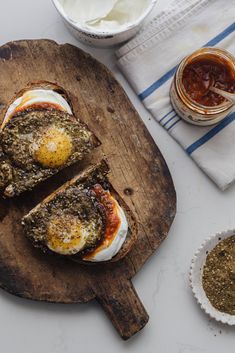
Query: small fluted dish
196, 272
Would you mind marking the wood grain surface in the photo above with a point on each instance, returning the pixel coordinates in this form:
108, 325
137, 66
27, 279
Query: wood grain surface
138, 172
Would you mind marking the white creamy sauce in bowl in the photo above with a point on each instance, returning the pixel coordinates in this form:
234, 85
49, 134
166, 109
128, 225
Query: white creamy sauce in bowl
103, 15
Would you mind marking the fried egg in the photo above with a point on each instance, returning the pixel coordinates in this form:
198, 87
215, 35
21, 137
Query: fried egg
69, 235
42, 97
40, 136
85, 220
54, 147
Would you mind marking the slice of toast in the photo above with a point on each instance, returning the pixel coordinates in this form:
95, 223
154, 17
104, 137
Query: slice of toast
38, 141
36, 222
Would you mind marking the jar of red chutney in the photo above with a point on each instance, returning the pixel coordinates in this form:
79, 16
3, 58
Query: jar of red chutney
190, 91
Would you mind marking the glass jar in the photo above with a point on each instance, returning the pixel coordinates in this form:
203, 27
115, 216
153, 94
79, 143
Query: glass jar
185, 106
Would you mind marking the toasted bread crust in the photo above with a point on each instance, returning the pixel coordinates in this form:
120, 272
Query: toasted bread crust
15, 186
94, 174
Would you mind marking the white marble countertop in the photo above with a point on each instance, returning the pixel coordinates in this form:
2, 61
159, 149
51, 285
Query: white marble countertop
176, 323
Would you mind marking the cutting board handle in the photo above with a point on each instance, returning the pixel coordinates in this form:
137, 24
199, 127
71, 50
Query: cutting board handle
122, 304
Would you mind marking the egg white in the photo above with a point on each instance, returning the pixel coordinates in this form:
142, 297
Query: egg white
34, 97
120, 237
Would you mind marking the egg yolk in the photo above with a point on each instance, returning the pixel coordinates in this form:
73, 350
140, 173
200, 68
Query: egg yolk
53, 149
66, 235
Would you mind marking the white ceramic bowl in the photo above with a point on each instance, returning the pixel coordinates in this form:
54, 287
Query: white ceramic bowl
105, 38
196, 272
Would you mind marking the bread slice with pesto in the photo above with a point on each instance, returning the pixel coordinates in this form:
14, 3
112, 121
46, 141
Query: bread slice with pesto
85, 220
39, 136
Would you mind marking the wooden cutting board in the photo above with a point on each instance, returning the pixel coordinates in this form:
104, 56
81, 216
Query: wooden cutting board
138, 172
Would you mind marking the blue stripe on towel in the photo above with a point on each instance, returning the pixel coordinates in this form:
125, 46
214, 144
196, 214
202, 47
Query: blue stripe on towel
171, 72
158, 83
214, 131
221, 36
167, 122
172, 125
166, 116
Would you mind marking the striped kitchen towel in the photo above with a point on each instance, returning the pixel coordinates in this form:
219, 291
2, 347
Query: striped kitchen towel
149, 62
